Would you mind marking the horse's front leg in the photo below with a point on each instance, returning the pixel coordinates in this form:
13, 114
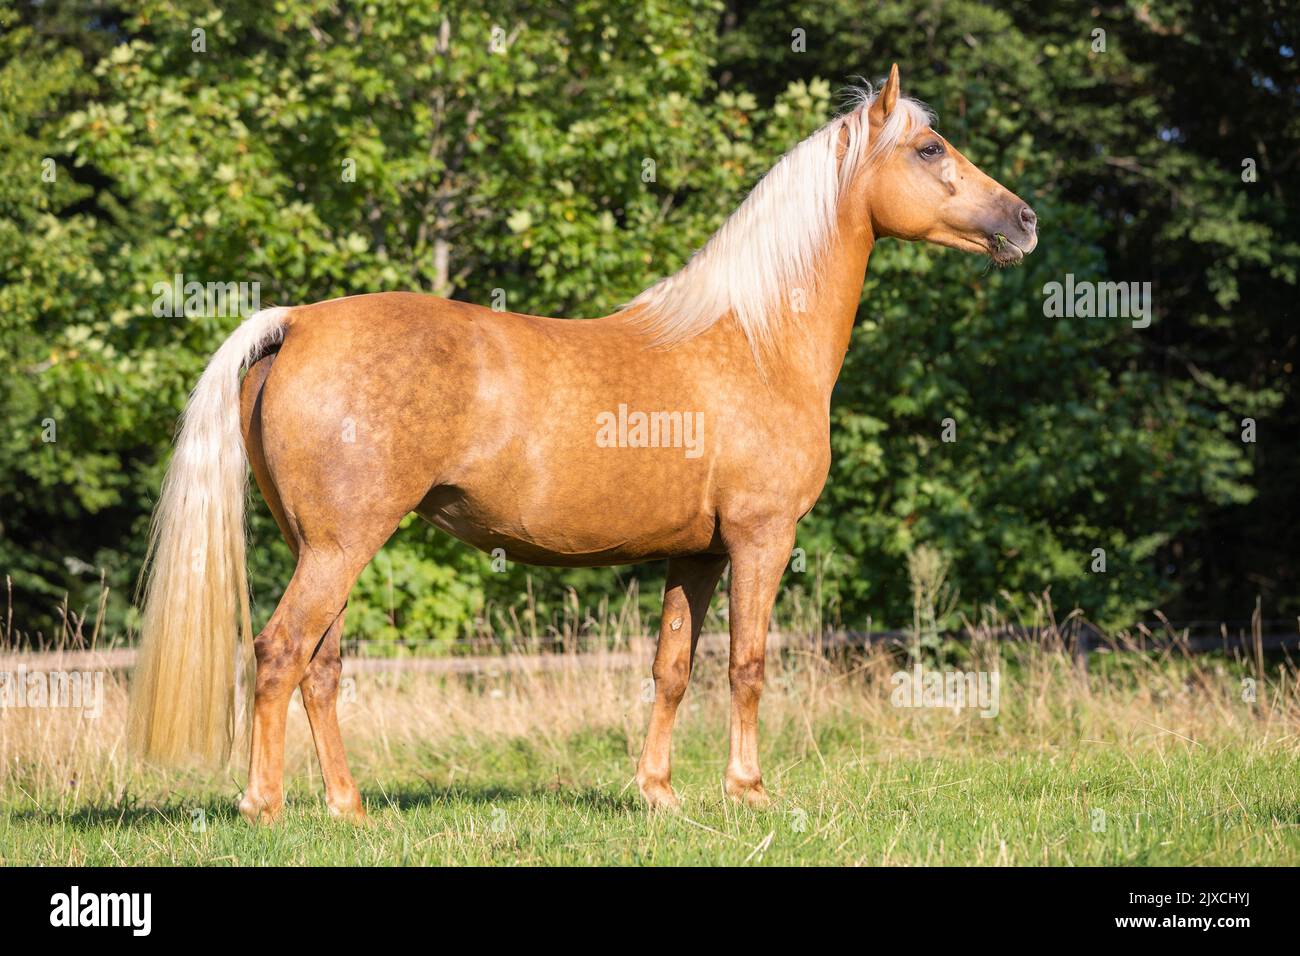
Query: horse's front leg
758, 559
687, 590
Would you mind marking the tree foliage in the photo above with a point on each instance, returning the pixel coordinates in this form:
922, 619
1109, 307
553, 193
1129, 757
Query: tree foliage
566, 156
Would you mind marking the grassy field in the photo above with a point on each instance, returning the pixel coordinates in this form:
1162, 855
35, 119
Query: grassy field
1142, 762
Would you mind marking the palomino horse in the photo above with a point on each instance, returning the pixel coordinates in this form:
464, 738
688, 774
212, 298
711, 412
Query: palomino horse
498, 427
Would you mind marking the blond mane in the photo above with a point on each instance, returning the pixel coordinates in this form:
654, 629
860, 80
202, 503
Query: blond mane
774, 241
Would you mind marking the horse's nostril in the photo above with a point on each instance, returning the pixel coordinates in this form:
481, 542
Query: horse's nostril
1027, 217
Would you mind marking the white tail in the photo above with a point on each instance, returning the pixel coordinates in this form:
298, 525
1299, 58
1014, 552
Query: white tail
196, 605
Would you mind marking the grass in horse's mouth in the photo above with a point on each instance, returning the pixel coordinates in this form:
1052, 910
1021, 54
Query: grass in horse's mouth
1000, 255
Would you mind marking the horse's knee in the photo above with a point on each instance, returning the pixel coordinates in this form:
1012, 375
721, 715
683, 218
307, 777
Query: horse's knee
747, 678
671, 678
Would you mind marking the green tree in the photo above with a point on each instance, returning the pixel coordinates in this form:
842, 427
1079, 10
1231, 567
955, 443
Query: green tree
558, 159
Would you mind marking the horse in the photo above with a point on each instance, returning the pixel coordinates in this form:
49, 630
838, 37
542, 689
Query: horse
552, 439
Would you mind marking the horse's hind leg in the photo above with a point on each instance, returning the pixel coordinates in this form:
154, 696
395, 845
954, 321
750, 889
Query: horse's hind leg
300, 645
320, 690
311, 608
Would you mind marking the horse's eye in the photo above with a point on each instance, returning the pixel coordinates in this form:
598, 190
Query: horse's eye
932, 150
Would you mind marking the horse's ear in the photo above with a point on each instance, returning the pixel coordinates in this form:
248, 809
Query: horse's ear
884, 103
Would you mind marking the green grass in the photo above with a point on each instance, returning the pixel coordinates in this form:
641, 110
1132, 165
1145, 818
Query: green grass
842, 797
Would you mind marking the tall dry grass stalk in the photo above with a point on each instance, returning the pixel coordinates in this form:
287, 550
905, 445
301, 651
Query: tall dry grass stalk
77, 630
933, 598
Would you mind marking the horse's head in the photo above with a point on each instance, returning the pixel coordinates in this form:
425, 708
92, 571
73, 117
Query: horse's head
923, 188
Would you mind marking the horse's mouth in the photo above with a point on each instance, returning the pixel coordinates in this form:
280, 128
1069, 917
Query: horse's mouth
1003, 251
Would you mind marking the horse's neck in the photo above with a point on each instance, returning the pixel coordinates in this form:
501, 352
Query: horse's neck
816, 339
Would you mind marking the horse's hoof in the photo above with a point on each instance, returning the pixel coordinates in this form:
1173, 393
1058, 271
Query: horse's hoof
659, 795
749, 792
257, 811
350, 812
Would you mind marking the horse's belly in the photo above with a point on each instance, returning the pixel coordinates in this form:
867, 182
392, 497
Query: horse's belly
619, 530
